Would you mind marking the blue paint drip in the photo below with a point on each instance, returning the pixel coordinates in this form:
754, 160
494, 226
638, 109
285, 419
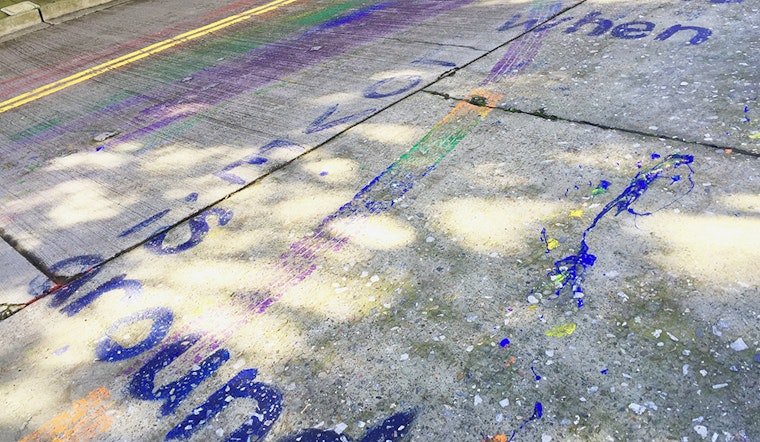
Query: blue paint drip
535, 373
545, 240
569, 271
538, 413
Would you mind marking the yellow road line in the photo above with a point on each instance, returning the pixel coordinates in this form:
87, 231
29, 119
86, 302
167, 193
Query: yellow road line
132, 57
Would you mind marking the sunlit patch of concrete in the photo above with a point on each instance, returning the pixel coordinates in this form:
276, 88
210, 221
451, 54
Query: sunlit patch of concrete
742, 201
333, 170
386, 133
79, 201
376, 232
306, 208
712, 248
494, 224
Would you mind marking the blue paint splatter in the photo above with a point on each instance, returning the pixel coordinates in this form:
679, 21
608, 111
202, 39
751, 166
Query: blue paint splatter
655, 156
569, 271
504, 343
193, 197
605, 371
538, 412
535, 373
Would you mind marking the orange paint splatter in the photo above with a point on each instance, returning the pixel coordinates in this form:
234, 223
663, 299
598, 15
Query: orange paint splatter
85, 421
511, 361
497, 438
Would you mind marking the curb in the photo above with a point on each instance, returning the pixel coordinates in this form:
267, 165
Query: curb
17, 16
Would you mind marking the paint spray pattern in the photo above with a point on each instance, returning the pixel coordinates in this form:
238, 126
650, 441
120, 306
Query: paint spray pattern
569, 271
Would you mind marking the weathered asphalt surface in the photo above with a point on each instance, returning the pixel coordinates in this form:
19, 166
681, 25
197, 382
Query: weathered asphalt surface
404, 220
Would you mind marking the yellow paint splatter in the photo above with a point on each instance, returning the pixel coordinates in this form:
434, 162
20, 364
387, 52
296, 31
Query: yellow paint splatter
755, 136
552, 244
577, 213
562, 330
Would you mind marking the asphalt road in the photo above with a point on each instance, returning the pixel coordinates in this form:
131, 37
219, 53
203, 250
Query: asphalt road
313, 220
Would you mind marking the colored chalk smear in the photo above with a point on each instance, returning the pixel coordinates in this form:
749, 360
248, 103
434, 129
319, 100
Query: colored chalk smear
560, 331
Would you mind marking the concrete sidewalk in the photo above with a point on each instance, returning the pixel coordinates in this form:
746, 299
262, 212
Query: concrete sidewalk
17, 16
354, 220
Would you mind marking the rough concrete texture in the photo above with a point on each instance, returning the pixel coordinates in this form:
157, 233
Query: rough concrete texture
365, 221
14, 19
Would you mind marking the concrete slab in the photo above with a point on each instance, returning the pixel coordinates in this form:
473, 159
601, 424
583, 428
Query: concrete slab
15, 273
443, 270
634, 66
107, 152
426, 296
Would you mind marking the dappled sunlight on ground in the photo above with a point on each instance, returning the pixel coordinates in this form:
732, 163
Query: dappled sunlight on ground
718, 249
376, 233
493, 224
386, 133
79, 201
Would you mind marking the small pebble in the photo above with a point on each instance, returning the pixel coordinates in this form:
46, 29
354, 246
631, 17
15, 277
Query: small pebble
739, 345
340, 427
478, 400
701, 430
636, 408
504, 402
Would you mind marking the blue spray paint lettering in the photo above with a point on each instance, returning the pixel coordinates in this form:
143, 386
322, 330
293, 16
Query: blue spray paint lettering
254, 159
569, 271
374, 91
143, 224
84, 265
198, 229
268, 403
131, 287
322, 123
111, 351
173, 393
633, 30
393, 429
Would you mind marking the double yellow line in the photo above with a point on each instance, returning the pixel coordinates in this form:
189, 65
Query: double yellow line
132, 57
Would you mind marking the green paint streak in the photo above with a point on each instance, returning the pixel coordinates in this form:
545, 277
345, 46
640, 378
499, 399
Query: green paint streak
34, 130
205, 53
